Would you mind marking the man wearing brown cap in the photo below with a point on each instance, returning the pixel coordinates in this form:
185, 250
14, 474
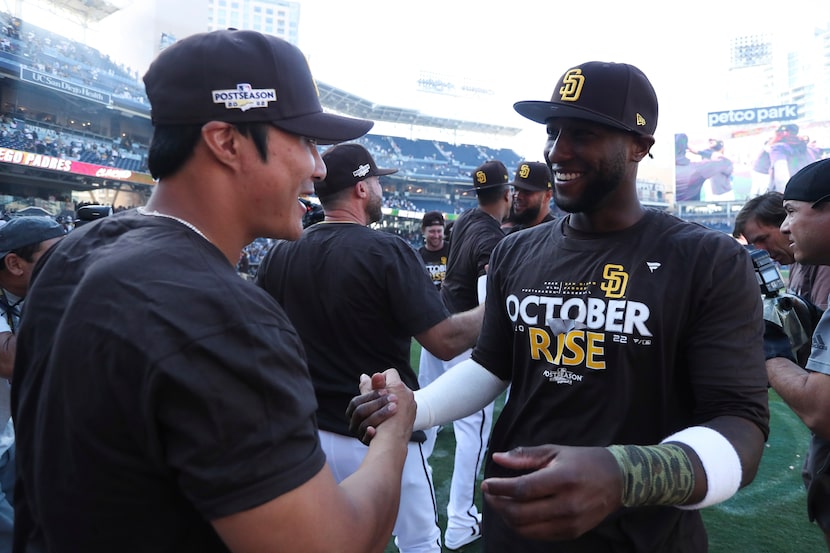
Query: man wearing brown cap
162, 402
357, 297
805, 390
632, 342
23, 241
435, 250
532, 193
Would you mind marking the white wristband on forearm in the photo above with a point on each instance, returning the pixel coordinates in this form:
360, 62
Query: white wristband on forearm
464, 389
720, 463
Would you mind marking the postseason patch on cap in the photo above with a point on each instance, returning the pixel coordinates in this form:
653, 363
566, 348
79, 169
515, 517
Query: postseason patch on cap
241, 76
362, 171
245, 97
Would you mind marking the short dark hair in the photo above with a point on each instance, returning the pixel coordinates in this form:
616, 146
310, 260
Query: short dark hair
172, 145
767, 209
489, 196
335, 199
26, 253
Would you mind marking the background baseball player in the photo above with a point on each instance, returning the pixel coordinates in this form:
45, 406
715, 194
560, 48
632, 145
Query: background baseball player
475, 233
357, 296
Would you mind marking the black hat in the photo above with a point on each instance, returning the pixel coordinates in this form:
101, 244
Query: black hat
26, 231
346, 165
432, 218
615, 94
533, 176
790, 128
241, 77
809, 184
489, 175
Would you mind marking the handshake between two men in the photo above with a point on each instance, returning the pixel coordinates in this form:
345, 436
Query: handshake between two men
559, 492
554, 492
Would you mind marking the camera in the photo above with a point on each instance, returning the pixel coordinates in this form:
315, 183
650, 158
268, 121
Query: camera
314, 213
767, 273
92, 212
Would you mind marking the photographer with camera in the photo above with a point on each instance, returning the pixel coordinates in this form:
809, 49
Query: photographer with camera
759, 222
807, 224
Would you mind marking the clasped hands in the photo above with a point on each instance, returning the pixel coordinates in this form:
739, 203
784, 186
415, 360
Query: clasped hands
556, 493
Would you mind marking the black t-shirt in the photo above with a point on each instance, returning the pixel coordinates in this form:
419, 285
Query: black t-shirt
620, 339
474, 236
356, 296
155, 390
436, 262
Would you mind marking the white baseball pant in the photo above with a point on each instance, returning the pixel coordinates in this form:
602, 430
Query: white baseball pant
416, 528
472, 436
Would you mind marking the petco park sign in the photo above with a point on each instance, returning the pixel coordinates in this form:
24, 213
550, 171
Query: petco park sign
753, 116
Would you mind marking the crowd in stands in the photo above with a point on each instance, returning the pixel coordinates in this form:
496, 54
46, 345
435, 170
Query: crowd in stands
441, 163
397, 201
720, 224
438, 165
28, 136
55, 55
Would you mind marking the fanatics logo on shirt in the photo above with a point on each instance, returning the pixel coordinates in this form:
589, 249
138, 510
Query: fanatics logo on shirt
244, 97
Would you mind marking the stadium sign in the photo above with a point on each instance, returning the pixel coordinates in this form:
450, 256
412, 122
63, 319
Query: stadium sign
50, 81
753, 116
40, 161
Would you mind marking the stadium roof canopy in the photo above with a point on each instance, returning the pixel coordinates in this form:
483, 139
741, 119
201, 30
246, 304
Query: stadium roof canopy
91, 10
350, 104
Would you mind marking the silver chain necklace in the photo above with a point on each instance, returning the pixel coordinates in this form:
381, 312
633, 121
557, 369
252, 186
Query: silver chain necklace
154, 213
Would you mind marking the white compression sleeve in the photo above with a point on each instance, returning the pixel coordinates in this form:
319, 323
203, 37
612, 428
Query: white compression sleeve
461, 391
481, 288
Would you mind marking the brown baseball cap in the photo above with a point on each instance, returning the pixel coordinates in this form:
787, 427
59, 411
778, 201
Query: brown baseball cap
615, 94
242, 76
533, 176
346, 165
489, 175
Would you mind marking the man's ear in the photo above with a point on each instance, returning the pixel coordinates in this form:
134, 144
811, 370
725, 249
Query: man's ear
223, 141
13, 263
361, 189
641, 147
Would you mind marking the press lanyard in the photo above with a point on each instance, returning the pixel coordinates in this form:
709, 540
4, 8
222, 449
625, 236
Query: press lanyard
11, 311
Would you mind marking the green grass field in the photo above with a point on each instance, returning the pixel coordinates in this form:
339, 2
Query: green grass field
769, 516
